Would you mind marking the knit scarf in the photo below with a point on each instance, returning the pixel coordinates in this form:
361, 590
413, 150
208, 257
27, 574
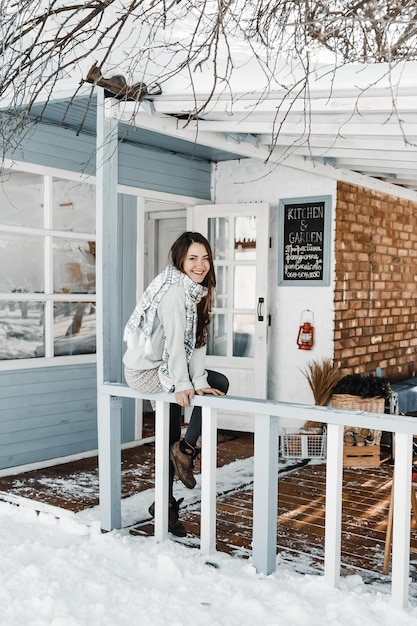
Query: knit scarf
143, 317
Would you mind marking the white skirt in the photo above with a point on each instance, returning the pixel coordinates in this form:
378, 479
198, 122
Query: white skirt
145, 381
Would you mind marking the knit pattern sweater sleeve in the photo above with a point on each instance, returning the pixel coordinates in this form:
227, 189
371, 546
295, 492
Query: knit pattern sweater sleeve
172, 315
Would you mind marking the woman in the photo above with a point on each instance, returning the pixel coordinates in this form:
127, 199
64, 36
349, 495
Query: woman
166, 339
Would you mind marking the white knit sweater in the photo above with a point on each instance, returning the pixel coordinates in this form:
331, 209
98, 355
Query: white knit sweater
146, 352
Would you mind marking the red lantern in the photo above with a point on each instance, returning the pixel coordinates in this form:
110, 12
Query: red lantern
305, 337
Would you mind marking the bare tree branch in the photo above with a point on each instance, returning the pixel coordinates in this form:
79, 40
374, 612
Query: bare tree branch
42, 41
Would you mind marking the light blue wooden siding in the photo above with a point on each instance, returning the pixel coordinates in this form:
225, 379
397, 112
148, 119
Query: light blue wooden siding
54, 146
164, 171
147, 168
51, 412
47, 413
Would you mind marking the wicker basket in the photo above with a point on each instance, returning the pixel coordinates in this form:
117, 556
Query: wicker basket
370, 405
356, 403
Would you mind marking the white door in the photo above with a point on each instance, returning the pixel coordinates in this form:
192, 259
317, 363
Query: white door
161, 226
168, 230
161, 230
238, 234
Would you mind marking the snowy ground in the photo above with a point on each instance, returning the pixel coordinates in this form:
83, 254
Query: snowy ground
65, 572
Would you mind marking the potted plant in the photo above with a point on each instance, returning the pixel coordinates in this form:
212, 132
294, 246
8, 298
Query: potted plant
322, 377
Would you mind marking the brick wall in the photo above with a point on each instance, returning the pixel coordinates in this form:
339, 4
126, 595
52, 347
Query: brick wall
376, 282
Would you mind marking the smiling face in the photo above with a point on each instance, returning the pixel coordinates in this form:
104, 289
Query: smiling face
196, 264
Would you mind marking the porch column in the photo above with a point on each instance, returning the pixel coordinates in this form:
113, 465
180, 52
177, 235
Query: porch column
161, 470
333, 523
265, 494
108, 410
208, 481
400, 572
109, 446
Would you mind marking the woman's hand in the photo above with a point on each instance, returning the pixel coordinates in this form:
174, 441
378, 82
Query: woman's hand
209, 390
183, 397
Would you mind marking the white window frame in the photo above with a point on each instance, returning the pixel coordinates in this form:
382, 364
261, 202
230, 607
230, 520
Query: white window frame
48, 297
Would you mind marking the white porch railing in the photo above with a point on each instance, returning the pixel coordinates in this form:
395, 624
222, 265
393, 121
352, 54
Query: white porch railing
267, 414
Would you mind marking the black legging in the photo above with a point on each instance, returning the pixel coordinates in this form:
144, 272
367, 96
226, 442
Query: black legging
215, 380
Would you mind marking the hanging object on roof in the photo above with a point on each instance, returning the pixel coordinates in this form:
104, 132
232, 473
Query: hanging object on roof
117, 87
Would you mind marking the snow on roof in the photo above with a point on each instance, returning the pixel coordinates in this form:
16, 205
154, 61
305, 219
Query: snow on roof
360, 118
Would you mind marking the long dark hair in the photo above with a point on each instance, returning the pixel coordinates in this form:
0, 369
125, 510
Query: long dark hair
177, 255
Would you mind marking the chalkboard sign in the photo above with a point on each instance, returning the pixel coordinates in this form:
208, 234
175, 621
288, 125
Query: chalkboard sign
304, 225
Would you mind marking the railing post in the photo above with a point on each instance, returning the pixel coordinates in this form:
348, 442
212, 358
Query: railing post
265, 494
161, 469
109, 438
401, 520
333, 523
208, 481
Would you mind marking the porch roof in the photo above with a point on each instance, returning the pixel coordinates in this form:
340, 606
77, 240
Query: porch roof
80, 114
359, 119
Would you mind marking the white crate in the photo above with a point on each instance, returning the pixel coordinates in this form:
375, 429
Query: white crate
296, 445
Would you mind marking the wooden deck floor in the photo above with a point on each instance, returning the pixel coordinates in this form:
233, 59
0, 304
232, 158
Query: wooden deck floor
300, 515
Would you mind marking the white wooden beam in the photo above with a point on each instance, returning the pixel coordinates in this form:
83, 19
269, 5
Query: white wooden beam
106, 203
265, 494
169, 127
161, 470
208, 481
377, 166
333, 519
108, 408
357, 157
109, 453
246, 103
367, 146
327, 127
401, 521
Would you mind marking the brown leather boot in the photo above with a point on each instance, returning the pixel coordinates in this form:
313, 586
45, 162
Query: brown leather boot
174, 525
182, 456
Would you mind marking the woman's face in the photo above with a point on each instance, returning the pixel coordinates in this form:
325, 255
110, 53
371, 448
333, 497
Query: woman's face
196, 264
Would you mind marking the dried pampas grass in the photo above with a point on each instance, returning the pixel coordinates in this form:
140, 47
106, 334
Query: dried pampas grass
322, 378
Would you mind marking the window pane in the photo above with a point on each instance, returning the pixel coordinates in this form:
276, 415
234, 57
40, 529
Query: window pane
245, 238
74, 328
245, 287
74, 206
21, 330
221, 296
74, 266
243, 333
21, 199
218, 231
218, 336
21, 264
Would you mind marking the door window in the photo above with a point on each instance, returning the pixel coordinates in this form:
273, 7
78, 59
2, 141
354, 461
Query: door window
235, 263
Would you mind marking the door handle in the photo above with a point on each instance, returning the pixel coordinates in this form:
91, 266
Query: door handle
259, 310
